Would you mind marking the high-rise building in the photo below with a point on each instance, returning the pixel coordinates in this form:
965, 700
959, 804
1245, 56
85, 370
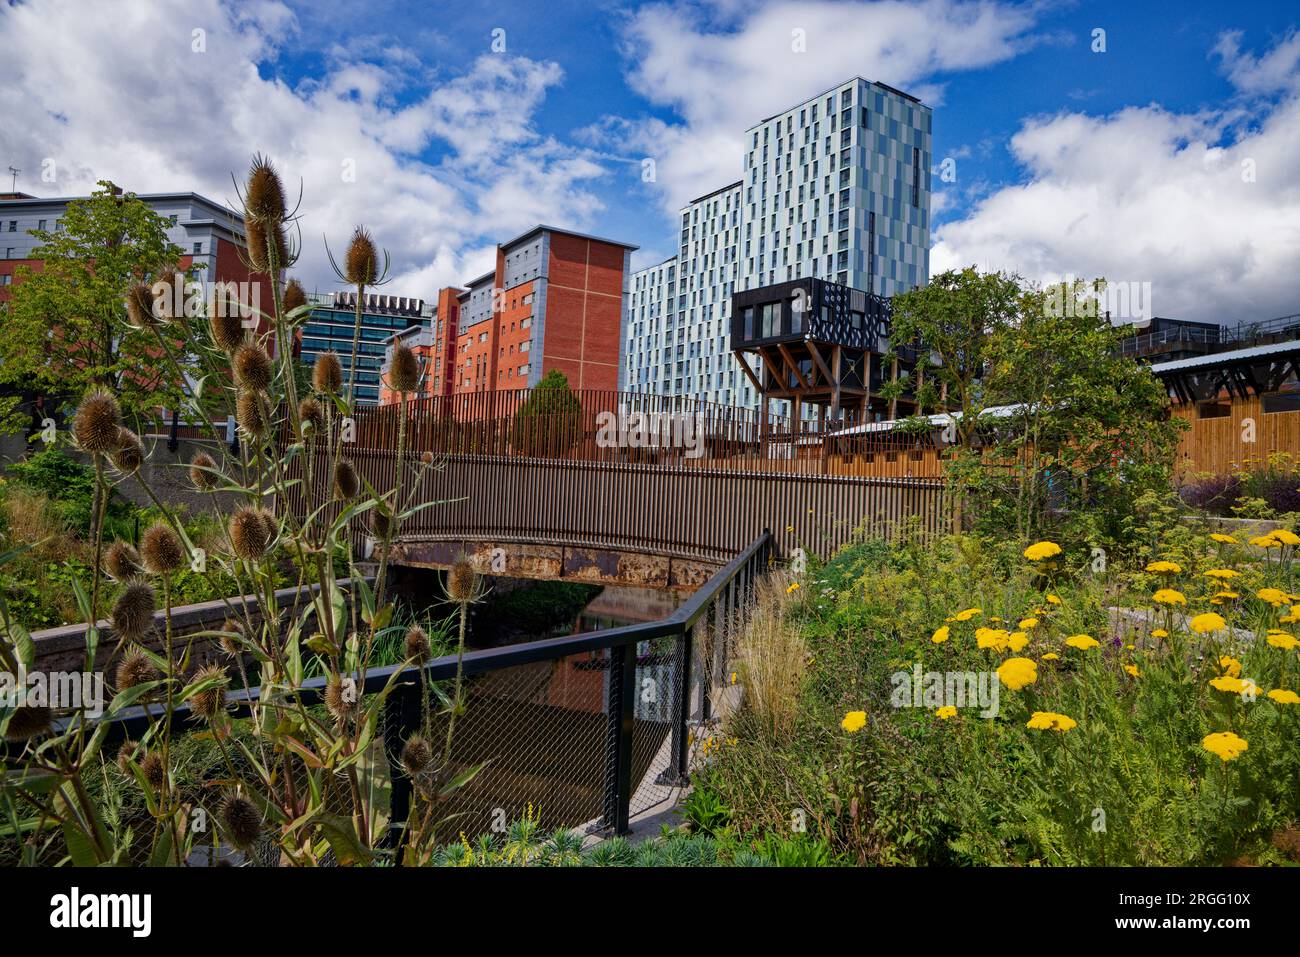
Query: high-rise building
836, 188
330, 328
555, 300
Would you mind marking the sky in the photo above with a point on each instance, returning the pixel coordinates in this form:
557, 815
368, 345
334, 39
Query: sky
1151, 143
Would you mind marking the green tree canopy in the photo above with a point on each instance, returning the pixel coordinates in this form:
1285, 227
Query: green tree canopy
65, 326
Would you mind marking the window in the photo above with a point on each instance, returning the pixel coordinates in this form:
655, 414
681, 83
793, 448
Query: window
198, 248
40, 225
1281, 402
1214, 409
172, 219
6, 279
13, 225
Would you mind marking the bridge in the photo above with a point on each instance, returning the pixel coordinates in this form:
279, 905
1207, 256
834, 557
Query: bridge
624, 488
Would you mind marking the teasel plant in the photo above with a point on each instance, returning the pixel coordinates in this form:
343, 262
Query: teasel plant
301, 782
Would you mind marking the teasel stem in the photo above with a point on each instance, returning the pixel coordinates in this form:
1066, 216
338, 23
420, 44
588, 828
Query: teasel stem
460, 668
390, 528
356, 343
96, 574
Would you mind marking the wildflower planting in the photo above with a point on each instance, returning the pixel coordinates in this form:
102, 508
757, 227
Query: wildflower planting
1146, 711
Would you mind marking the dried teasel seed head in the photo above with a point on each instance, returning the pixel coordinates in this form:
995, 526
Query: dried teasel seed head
126, 753
461, 581
209, 702
417, 755
132, 615
202, 479
251, 531
242, 820
252, 367
134, 669
426, 458
346, 483
29, 721
140, 305
161, 549
340, 698
258, 253
154, 772
250, 412
404, 369
230, 642
264, 194
122, 562
97, 423
361, 267
294, 296
312, 413
417, 644
381, 522
225, 322
327, 374
129, 455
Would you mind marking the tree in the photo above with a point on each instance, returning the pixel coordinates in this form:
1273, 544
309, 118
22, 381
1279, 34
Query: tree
1087, 428
65, 326
952, 319
550, 420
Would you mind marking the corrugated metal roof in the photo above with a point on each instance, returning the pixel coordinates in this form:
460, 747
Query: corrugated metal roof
1223, 358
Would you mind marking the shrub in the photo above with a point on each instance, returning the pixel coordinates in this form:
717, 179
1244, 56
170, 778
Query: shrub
1216, 494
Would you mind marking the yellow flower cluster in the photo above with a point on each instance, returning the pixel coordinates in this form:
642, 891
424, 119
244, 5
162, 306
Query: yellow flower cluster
1040, 550
1016, 673
1050, 721
854, 721
1225, 744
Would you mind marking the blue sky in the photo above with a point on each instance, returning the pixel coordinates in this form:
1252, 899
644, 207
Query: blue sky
1125, 163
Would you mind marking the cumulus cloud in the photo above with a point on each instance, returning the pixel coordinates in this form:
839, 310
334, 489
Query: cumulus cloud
1204, 206
723, 67
116, 91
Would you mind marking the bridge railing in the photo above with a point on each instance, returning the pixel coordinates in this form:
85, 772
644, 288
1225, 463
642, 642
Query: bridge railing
646, 430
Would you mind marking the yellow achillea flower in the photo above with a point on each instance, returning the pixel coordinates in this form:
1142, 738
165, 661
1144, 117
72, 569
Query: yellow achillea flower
1265, 541
1274, 596
1163, 567
1082, 642
946, 712
1222, 596
1159, 633
1051, 656
991, 638
1028, 623
1040, 550
940, 635
1287, 537
1282, 696
1017, 640
1223, 573
1016, 673
1280, 639
1169, 596
1225, 539
794, 586
854, 721
1225, 744
1206, 623
1231, 666
1053, 600
1241, 686
1133, 670
1050, 721
966, 614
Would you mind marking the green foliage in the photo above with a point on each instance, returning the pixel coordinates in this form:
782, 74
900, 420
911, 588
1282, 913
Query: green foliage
71, 485
549, 422
704, 810
525, 846
65, 325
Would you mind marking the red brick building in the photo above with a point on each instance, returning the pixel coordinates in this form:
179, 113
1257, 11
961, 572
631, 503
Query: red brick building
555, 300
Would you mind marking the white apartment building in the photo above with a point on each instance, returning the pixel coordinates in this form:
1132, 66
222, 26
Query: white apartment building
836, 187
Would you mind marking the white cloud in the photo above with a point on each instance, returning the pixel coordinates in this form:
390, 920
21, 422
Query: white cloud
116, 91
1148, 195
724, 67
